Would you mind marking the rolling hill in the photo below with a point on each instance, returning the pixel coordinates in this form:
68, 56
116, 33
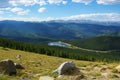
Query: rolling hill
99, 43
71, 53
55, 30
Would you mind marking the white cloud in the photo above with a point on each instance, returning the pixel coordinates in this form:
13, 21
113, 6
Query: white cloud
86, 2
42, 2
33, 2
106, 2
11, 3
8, 8
95, 17
19, 11
64, 2
57, 1
22, 2
41, 9
16, 9
24, 12
21, 19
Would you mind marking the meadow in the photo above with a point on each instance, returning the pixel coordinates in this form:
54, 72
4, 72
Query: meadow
37, 65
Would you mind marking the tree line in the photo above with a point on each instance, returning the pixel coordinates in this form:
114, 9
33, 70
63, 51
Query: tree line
77, 54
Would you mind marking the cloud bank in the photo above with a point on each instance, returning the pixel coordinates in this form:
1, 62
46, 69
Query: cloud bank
102, 17
8, 3
86, 2
14, 6
107, 2
19, 11
95, 17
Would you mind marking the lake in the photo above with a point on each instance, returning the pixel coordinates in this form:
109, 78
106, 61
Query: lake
59, 43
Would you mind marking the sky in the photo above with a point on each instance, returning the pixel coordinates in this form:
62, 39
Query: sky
45, 10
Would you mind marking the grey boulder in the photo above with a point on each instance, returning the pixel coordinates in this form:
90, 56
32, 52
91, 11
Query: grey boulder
65, 68
7, 67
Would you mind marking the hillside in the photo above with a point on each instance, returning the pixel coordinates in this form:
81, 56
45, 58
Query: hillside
37, 65
78, 54
40, 31
98, 43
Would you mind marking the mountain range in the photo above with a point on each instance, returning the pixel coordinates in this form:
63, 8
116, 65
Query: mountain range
57, 30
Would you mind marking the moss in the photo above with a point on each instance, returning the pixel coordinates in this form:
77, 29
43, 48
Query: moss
115, 76
115, 71
95, 74
3, 77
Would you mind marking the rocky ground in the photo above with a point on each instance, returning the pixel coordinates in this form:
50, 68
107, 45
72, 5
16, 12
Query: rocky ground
92, 72
40, 67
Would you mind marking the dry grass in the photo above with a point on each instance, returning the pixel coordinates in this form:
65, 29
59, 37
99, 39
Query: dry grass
36, 64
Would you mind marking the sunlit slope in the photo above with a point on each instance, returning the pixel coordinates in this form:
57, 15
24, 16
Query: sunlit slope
36, 64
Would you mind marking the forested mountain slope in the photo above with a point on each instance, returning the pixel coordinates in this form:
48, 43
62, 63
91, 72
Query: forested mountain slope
56, 30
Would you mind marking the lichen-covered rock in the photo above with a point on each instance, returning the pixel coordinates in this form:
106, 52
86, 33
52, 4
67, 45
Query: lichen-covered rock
7, 67
65, 67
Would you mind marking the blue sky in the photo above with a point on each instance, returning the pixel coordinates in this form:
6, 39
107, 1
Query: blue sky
40, 10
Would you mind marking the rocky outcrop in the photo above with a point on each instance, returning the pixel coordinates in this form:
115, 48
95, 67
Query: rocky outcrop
7, 67
65, 68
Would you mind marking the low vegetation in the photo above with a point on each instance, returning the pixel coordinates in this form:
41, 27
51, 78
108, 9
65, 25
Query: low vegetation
78, 54
42, 60
37, 65
103, 43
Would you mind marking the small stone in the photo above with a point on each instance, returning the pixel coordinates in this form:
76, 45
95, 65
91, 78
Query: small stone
46, 78
18, 57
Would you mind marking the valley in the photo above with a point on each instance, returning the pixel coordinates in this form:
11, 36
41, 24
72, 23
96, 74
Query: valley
43, 46
59, 39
